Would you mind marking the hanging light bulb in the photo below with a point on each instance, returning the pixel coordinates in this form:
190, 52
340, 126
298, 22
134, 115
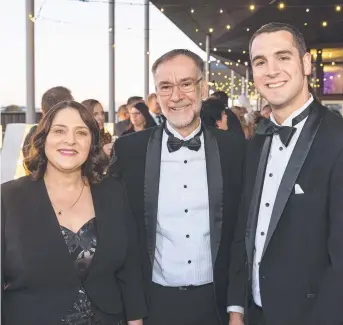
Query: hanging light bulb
324, 23
338, 8
252, 7
192, 11
281, 6
211, 30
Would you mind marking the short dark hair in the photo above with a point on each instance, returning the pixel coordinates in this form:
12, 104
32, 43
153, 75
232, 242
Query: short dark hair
222, 96
199, 62
90, 104
274, 27
54, 96
133, 100
97, 161
212, 111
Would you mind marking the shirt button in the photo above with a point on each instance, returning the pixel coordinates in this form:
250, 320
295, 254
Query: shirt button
187, 236
267, 205
186, 210
189, 262
185, 161
262, 233
184, 186
281, 148
270, 175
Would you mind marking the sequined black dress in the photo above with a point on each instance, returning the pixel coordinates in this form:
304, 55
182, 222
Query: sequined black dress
82, 246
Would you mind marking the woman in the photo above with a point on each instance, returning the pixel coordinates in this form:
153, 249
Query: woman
213, 114
140, 118
243, 116
69, 247
96, 109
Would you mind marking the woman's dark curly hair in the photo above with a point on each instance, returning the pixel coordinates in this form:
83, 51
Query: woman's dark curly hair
95, 165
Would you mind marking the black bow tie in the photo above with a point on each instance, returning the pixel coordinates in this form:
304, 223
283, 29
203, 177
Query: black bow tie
175, 143
267, 127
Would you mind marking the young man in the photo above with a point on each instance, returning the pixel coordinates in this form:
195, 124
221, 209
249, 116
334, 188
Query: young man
183, 182
50, 98
291, 221
155, 109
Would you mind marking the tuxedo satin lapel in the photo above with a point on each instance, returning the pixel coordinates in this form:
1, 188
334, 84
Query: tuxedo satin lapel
294, 166
215, 190
260, 153
151, 187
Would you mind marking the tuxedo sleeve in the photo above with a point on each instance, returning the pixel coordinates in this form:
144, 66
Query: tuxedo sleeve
238, 273
131, 276
328, 309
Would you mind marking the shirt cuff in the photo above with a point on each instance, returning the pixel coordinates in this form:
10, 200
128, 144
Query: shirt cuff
235, 309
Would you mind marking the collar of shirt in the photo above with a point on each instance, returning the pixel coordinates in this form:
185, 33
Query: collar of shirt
179, 136
154, 116
288, 121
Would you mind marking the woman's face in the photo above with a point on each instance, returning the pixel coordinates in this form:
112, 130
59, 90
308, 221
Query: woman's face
99, 115
68, 142
136, 117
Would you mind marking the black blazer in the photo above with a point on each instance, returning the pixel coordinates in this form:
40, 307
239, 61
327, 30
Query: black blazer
301, 271
39, 276
137, 161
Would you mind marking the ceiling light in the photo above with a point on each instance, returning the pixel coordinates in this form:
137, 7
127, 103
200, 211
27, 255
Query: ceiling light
281, 6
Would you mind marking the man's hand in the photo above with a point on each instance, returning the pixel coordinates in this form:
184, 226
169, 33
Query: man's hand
236, 319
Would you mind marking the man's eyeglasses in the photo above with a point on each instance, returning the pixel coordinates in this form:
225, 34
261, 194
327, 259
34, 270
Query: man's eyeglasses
184, 87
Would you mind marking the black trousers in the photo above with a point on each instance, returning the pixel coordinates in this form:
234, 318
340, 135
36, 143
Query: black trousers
256, 316
177, 306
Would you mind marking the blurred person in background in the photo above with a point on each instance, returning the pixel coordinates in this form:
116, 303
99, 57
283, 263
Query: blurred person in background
50, 98
244, 119
266, 111
124, 124
233, 123
213, 114
65, 218
140, 118
95, 108
155, 109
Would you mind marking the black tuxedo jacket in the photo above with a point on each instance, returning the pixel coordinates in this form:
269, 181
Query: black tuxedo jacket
137, 161
40, 280
301, 271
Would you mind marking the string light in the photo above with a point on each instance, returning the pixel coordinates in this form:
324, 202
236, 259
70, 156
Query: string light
252, 7
221, 11
248, 29
244, 52
281, 6
229, 50
192, 11
324, 23
228, 26
215, 49
200, 44
307, 10
211, 30
338, 8
196, 30
305, 24
162, 9
333, 63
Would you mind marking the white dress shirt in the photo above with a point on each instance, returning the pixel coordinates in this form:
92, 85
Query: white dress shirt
278, 159
183, 248
157, 118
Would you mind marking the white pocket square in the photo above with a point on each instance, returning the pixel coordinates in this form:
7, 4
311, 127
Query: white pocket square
298, 189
